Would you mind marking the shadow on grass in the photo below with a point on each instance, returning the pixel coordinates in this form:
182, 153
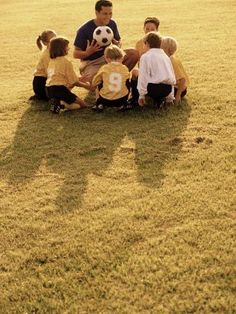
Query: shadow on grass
75, 144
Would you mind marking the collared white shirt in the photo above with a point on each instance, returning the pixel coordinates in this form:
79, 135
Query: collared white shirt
155, 67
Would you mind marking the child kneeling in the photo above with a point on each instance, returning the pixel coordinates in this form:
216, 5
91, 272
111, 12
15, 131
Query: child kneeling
156, 75
62, 78
169, 45
112, 81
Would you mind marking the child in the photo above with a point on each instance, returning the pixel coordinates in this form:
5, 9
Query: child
112, 81
169, 45
62, 78
156, 74
151, 24
40, 74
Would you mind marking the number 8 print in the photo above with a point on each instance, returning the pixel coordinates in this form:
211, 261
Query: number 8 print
115, 81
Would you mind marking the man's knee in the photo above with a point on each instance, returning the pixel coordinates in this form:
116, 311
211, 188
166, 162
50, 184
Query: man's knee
131, 58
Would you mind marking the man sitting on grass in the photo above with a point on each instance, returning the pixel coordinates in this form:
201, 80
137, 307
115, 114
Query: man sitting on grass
89, 52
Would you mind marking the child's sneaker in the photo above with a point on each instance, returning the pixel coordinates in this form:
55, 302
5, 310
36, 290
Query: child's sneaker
55, 105
98, 108
125, 107
160, 104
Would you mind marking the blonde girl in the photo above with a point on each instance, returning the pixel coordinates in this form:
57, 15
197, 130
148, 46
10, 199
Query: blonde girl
40, 73
62, 78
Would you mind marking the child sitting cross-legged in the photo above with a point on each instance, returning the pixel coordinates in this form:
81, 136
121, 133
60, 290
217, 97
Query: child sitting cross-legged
61, 78
112, 81
169, 45
156, 75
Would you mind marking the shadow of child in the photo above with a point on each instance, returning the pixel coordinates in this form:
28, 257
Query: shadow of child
68, 148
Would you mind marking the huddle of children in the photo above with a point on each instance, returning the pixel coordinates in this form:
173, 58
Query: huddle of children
160, 75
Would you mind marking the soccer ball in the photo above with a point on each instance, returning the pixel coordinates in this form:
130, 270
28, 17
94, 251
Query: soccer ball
103, 35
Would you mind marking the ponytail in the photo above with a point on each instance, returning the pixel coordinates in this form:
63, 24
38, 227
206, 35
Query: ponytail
44, 38
39, 42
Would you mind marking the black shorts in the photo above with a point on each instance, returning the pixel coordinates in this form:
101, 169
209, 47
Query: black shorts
61, 92
158, 91
39, 87
112, 103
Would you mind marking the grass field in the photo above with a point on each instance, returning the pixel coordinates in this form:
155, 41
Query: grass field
119, 212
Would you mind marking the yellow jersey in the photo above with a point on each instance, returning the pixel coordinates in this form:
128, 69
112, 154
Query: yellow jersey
113, 77
41, 67
60, 72
179, 70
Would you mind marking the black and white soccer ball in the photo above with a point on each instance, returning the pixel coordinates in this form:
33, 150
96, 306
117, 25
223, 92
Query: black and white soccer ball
103, 35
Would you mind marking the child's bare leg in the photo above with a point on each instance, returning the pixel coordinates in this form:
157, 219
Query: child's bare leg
80, 102
73, 106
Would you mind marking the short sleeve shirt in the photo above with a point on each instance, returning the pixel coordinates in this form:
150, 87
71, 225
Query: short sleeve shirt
113, 77
85, 33
60, 72
41, 68
179, 70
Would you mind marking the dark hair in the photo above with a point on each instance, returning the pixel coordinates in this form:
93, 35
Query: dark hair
152, 19
153, 40
102, 3
57, 47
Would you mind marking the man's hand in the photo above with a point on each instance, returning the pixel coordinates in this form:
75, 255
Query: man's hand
92, 48
116, 42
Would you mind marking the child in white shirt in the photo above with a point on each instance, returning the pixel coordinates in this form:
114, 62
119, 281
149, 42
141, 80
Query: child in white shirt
156, 75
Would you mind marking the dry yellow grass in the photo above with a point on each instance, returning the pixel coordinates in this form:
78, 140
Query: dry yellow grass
119, 213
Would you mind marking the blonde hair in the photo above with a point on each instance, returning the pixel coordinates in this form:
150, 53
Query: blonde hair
169, 45
44, 38
113, 52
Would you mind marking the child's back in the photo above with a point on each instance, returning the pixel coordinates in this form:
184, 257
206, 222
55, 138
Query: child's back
112, 80
113, 76
156, 74
62, 78
60, 72
42, 65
